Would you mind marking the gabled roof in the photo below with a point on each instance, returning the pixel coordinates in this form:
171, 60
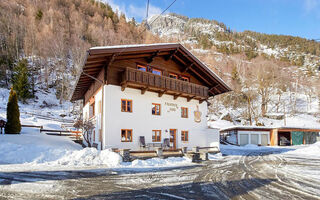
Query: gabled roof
98, 57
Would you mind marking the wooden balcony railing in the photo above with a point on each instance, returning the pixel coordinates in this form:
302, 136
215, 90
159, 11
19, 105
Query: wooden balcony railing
163, 83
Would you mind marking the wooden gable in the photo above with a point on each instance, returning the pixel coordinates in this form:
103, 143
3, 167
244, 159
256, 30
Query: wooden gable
170, 58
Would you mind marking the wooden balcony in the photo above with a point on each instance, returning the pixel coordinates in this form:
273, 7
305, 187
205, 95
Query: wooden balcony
147, 81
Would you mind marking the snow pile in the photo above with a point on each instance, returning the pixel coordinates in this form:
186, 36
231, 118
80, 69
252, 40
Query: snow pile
31, 146
249, 148
312, 150
88, 157
216, 156
37, 150
158, 162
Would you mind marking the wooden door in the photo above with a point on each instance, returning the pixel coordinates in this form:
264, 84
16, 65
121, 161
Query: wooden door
173, 141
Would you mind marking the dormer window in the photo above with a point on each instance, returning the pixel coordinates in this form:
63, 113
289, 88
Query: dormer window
172, 75
156, 71
142, 68
184, 78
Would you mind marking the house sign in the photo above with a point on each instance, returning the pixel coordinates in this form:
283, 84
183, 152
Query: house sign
172, 107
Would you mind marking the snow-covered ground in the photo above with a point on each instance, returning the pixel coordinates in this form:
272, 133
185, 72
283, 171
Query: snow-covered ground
32, 149
44, 106
311, 151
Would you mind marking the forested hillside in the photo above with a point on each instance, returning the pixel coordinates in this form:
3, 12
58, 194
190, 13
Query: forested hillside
43, 45
53, 36
272, 76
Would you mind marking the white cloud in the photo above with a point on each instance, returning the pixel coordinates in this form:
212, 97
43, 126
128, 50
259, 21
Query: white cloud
140, 12
310, 5
130, 11
116, 7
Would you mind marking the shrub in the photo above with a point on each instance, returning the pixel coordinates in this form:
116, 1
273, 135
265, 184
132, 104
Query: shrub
13, 125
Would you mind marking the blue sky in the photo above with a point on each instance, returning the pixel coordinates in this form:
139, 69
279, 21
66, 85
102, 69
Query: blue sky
288, 17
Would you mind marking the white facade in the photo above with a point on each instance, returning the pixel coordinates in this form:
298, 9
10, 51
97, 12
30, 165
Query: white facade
142, 122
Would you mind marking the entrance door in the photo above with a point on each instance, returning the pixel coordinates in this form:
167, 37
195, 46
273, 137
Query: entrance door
173, 138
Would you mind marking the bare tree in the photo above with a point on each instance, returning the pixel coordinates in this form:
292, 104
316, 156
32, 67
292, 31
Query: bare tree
87, 129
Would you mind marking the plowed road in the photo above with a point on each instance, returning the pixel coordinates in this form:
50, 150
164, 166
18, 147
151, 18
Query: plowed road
252, 175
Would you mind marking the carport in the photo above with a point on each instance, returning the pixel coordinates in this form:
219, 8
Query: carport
286, 136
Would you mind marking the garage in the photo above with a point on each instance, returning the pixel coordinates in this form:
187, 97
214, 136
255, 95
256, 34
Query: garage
273, 136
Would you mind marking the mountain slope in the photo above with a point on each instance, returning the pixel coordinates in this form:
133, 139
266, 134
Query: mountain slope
274, 77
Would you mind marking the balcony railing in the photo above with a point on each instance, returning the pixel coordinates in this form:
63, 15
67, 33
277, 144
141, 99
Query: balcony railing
163, 83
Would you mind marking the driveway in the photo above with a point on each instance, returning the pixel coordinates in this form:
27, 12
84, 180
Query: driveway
249, 175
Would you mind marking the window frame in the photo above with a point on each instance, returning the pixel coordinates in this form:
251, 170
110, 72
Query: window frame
142, 66
157, 133
126, 109
155, 69
184, 112
185, 136
126, 135
92, 105
173, 74
156, 104
185, 78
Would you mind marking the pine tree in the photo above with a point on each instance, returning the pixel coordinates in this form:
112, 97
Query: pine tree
20, 81
13, 125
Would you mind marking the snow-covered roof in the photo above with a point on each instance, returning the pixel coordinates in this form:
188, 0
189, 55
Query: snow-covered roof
131, 45
268, 128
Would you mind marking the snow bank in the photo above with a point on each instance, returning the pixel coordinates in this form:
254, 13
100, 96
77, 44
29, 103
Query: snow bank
88, 157
34, 149
158, 162
312, 150
216, 156
31, 146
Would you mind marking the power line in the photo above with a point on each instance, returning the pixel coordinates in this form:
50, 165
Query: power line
149, 24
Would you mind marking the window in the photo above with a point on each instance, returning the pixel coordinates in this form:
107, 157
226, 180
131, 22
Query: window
91, 110
156, 71
184, 112
175, 76
156, 136
184, 136
126, 105
142, 68
126, 135
184, 78
156, 109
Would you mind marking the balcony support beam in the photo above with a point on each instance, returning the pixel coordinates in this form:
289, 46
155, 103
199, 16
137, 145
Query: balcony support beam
161, 93
201, 100
150, 59
143, 90
190, 98
176, 96
123, 86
